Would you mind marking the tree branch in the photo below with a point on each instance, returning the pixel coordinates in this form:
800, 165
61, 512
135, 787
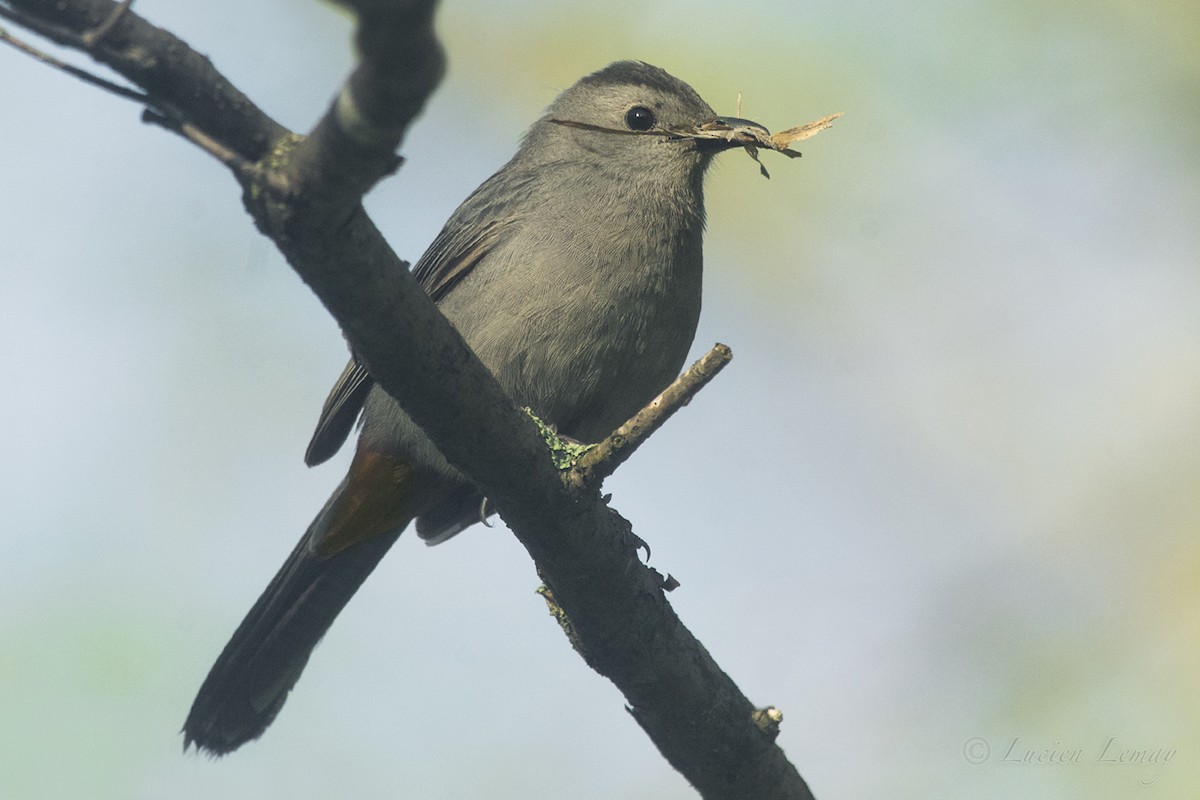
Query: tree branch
602, 460
305, 194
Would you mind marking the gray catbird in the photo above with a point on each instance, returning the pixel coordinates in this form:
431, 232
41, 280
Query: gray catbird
574, 273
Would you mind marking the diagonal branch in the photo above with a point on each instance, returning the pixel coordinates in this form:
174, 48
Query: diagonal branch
305, 193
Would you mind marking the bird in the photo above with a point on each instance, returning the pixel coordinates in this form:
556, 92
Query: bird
575, 274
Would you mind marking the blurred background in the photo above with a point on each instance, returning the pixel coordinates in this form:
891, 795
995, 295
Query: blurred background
942, 509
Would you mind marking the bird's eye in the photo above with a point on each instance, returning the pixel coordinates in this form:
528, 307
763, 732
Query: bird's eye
639, 118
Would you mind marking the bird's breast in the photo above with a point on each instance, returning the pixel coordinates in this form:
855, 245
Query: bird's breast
587, 323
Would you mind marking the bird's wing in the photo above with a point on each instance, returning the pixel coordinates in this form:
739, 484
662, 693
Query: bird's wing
470, 234
455, 252
473, 230
341, 409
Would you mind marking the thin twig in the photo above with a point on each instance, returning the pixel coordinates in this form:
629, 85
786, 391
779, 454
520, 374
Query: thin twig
171, 78
81, 74
602, 460
162, 117
246, 170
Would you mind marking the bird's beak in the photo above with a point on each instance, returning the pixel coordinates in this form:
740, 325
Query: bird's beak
723, 133
737, 122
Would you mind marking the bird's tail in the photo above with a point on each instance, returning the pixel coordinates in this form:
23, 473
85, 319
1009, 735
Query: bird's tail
251, 679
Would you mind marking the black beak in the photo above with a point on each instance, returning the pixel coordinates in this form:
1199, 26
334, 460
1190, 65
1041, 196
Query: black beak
723, 133
738, 122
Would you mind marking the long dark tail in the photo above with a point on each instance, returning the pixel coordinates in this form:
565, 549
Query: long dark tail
262, 662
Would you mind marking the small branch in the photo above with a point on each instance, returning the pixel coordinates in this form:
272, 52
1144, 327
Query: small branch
250, 173
178, 81
73, 71
602, 460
